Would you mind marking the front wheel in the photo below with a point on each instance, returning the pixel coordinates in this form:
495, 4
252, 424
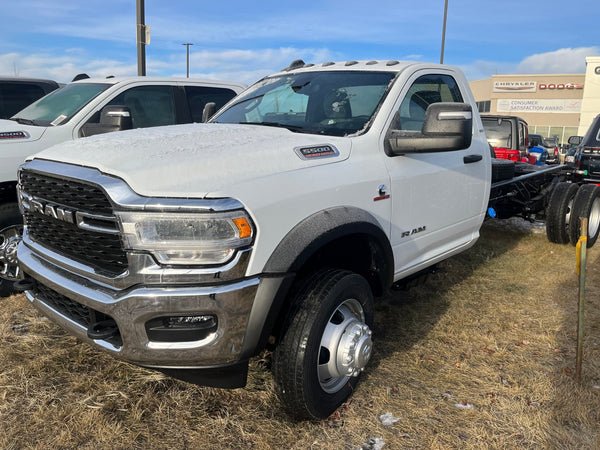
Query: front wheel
327, 345
11, 230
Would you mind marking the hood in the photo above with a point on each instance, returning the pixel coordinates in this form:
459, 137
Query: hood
194, 160
12, 132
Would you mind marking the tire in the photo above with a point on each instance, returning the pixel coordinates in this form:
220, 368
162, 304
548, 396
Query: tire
522, 168
558, 214
586, 204
502, 169
333, 317
11, 230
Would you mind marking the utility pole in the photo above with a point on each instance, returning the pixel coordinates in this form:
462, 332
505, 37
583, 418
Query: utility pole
141, 37
444, 32
187, 45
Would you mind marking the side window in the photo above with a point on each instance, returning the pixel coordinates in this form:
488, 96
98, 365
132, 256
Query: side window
150, 106
199, 96
16, 96
427, 89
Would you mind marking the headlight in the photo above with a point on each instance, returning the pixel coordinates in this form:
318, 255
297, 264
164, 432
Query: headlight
187, 238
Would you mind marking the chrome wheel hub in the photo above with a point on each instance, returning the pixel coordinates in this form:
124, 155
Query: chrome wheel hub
594, 219
346, 346
9, 240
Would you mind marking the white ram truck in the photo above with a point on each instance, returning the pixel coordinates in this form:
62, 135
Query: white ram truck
190, 248
84, 108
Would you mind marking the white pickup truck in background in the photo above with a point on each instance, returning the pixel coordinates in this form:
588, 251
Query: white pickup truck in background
191, 248
84, 108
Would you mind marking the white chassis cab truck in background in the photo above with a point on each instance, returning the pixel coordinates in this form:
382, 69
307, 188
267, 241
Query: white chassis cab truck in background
84, 108
191, 248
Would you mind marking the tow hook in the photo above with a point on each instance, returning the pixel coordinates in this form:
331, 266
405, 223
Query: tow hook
26, 284
103, 330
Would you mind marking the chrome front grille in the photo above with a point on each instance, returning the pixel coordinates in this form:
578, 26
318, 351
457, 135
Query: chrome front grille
64, 192
102, 251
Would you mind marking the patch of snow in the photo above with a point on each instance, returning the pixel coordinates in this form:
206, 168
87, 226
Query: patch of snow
374, 443
388, 419
516, 224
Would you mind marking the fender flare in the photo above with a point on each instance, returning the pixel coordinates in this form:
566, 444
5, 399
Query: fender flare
295, 249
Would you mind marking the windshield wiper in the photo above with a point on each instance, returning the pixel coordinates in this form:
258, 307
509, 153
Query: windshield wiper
23, 121
275, 124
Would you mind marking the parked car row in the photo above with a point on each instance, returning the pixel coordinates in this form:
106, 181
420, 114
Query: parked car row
509, 138
88, 107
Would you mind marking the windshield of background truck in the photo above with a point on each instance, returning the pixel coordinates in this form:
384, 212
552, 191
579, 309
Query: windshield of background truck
499, 134
59, 106
329, 103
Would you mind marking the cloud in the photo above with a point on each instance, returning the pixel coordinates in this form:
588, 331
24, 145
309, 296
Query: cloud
246, 66
61, 68
564, 60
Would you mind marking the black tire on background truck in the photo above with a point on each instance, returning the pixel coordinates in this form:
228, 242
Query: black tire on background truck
11, 228
558, 214
317, 363
586, 204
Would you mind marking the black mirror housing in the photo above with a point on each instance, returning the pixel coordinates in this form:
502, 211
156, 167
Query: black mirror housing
575, 140
447, 127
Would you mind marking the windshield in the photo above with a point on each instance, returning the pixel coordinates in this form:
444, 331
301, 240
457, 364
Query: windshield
330, 103
499, 133
59, 106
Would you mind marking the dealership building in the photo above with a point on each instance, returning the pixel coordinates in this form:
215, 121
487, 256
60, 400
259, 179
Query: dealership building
560, 105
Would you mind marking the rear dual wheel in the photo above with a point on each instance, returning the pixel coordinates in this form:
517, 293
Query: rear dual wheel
586, 204
558, 215
327, 344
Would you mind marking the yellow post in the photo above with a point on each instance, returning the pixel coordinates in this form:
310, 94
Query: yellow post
581, 252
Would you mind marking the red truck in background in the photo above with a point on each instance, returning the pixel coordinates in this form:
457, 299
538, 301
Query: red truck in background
508, 135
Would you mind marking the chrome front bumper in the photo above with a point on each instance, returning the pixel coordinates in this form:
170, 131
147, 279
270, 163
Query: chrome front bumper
231, 302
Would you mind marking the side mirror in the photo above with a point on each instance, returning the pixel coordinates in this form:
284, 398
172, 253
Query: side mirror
575, 140
209, 110
447, 127
112, 118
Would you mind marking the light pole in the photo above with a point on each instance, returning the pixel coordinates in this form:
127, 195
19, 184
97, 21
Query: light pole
444, 32
187, 48
141, 38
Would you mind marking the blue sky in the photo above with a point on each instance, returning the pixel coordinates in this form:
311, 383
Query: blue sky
245, 40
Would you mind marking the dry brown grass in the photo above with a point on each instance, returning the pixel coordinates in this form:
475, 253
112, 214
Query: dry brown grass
493, 331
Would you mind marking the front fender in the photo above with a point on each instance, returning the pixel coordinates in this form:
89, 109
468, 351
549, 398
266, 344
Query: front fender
297, 248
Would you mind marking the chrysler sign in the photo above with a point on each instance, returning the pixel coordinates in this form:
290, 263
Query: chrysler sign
515, 86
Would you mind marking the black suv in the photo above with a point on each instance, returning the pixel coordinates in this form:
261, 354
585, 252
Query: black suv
588, 153
17, 93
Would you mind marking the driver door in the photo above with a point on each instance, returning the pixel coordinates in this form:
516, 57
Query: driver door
437, 198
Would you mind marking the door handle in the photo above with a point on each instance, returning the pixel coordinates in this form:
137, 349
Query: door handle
472, 159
